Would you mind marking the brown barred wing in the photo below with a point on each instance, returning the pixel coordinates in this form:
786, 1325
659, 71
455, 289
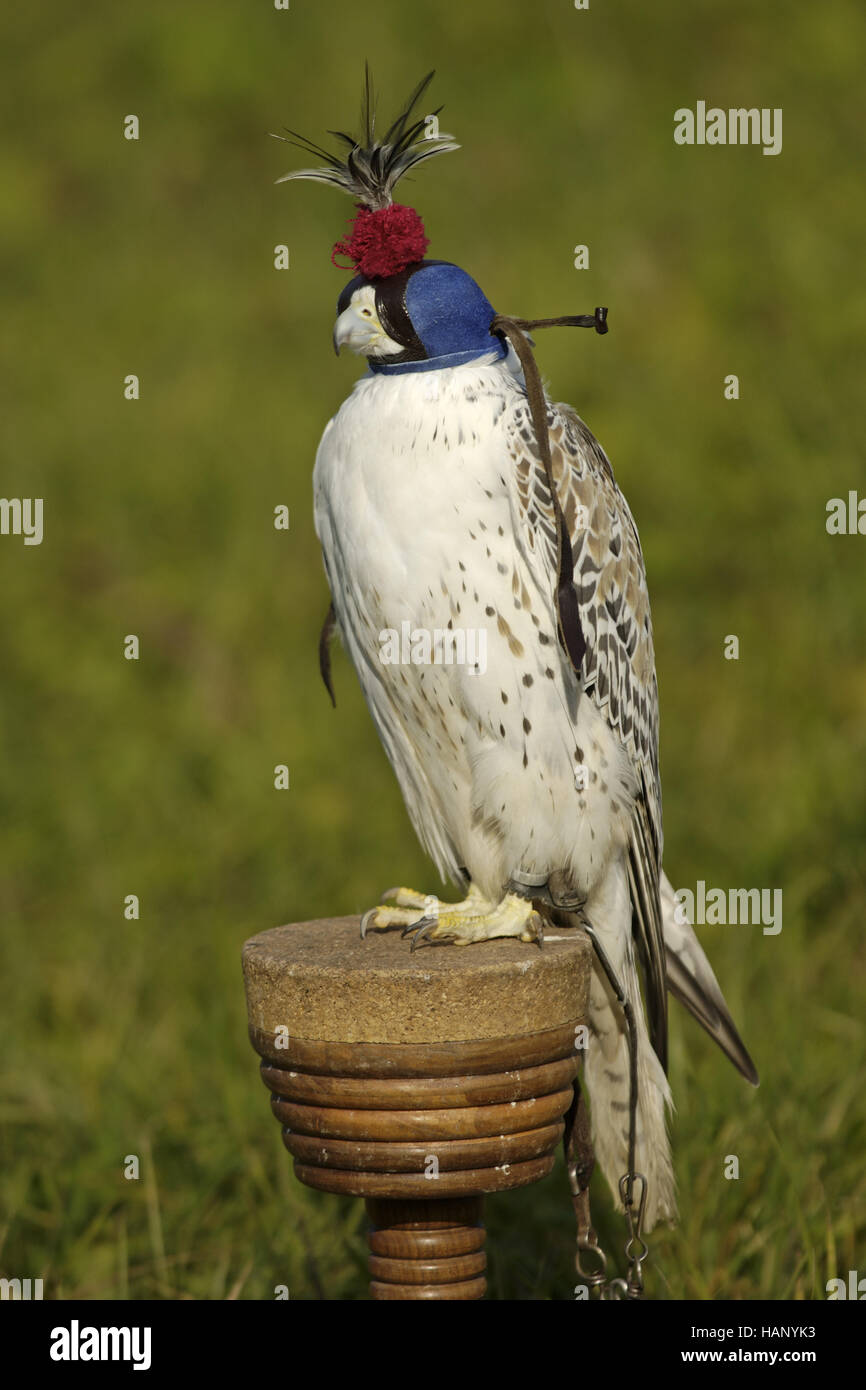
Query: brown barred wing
618, 671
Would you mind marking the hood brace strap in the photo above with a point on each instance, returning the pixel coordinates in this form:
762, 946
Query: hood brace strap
571, 635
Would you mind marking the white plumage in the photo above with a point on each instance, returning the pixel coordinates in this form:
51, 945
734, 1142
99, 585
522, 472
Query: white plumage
419, 511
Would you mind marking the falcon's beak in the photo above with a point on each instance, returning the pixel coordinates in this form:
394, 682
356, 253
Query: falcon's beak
354, 331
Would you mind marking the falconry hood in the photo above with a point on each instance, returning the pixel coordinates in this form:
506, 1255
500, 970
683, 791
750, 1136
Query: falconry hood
433, 313
437, 314
408, 314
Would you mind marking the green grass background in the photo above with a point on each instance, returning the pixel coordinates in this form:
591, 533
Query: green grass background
155, 777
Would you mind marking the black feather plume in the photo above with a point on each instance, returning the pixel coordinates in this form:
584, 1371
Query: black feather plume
371, 168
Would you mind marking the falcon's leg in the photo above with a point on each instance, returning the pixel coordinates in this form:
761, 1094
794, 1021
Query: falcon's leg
473, 919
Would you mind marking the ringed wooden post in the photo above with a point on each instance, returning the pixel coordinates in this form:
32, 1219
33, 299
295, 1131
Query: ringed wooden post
419, 1081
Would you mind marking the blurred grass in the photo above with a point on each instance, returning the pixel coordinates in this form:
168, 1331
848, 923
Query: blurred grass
155, 777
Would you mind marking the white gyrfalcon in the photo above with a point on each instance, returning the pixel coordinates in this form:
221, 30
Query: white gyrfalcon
489, 587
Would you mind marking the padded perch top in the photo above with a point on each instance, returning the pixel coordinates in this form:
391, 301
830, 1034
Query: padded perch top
322, 982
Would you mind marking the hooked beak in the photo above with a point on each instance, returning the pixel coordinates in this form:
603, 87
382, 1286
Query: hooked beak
355, 332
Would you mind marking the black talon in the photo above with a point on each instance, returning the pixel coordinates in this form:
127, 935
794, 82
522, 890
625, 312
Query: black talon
540, 934
422, 922
422, 930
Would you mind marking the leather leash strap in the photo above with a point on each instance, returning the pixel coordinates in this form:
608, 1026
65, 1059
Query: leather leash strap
568, 616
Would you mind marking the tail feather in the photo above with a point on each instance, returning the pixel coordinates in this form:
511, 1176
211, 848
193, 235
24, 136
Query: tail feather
606, 1067
606, 1072
692, 982
606, 1063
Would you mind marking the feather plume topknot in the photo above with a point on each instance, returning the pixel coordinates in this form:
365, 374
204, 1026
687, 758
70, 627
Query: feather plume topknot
385, 236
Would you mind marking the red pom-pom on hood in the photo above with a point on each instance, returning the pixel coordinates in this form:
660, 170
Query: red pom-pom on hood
383, 242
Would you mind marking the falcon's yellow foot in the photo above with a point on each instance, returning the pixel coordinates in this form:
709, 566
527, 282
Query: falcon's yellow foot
413, 909
473, 919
